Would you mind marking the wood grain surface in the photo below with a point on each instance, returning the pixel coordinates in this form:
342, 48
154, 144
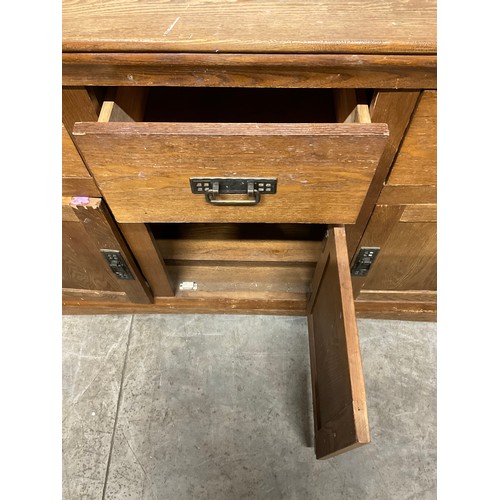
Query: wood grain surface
83, 295
340, 413
403, 311
72, 164
420, 213
408, 255
360, 26
84, 267
220, 277
143, 169
394, 109
382, 222
399, 296
77, 106
252, 70
407, 305
416, 163
253, 304
76, 179
245, 251
146, 252
412, 195
200, 303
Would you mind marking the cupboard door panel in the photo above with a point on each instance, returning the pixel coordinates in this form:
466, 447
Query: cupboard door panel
340, 413
87, 229
407, 237
408, 260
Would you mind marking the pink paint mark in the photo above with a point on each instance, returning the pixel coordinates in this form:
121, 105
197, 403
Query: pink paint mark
80, 200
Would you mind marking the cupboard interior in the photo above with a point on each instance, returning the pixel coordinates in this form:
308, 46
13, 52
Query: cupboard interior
234, 259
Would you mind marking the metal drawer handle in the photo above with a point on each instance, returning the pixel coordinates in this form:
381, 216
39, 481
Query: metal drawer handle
212, 196
217, 190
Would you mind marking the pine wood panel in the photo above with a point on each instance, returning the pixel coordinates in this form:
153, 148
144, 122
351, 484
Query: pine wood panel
123, 104
363, 26
340, 414
252, 70
143, 169
416, 163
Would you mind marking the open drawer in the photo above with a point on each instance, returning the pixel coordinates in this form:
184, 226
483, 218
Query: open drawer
232, 155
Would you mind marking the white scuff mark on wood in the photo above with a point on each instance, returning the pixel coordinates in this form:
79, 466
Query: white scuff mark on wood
171, 27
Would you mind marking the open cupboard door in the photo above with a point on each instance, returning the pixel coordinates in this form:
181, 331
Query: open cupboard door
340, 414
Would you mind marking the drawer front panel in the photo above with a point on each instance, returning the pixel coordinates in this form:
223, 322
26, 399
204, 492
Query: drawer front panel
323, 171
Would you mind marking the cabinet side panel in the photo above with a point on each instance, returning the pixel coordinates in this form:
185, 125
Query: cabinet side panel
416, 162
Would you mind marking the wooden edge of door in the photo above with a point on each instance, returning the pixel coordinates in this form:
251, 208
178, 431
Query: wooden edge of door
339, 399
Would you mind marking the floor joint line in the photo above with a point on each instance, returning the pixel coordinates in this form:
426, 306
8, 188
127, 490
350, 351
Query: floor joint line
118, 405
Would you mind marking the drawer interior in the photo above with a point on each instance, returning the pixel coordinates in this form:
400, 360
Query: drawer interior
186, 104
228, 259
234, 105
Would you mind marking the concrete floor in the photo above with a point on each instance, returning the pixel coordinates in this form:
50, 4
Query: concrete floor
219, 407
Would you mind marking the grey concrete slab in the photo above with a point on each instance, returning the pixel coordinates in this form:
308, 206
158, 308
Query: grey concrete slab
94, 349
220, 407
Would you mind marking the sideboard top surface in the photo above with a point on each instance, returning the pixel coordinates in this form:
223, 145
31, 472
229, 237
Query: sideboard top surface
251, 26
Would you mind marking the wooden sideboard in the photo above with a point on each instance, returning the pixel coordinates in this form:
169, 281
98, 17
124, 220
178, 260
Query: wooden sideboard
240, 157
